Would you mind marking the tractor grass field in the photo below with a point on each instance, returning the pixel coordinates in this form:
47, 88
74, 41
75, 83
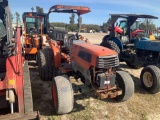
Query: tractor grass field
142, 106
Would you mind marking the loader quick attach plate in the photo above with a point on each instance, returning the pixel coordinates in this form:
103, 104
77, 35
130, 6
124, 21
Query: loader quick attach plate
112, 93
19, 116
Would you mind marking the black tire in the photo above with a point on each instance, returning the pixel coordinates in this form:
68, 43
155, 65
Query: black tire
62, 94
125, 82
46, 65
111, 45
28, 101
153, 72
133, 65
36, 59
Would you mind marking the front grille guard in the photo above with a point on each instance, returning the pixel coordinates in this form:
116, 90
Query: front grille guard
107, 61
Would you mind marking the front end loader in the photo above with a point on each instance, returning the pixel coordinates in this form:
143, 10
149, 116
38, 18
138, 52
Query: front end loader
15, 87
94, 65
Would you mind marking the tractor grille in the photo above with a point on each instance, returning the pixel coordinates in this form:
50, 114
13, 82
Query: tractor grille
108, 61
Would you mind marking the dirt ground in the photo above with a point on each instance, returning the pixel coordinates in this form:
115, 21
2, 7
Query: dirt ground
142, 106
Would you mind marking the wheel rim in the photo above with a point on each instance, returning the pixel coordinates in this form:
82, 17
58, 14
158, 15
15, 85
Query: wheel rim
148, 79
54, 94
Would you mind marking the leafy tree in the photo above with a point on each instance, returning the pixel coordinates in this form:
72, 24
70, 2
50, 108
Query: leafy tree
12, 17
32, 9
42, 11
109, 22
72, 19
79, 22
17, 17
39, 9
106, 25
58, 24
72, 28
93, 27
147, 24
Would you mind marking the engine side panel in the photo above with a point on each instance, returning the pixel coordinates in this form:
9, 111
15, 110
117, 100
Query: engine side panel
78, 68
148, 45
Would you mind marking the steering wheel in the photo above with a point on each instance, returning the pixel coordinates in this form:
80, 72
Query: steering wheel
33, 31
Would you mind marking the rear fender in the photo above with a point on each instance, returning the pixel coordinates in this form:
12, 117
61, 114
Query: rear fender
106, 37
136, 31
56, 53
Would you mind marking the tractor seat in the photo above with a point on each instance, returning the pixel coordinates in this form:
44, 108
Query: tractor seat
33, 29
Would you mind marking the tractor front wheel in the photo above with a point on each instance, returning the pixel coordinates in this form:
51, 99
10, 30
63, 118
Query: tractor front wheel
62, 94
150, 79
125, 82
46, 64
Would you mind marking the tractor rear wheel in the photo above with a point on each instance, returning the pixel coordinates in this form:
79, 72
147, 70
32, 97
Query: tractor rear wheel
111, 45
150, 79
62, 94
125, 82
28, 101
46, 65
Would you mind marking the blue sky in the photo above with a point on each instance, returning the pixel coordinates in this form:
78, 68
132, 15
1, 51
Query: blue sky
100, 8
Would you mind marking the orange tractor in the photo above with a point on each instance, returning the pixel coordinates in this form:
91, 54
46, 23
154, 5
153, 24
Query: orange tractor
94, 65
35, 29
15, 86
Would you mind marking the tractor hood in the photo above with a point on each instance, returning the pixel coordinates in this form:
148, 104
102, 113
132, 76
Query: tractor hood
147, 44
69, 9
96, 50
88, 55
